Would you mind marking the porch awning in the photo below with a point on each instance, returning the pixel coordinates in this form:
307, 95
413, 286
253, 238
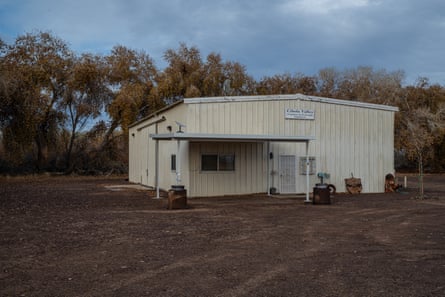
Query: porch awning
196, 137
230, 137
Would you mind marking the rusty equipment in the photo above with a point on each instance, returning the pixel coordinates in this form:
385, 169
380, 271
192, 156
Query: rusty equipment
353, 185
321, 195
177, 198
390, 184
322, 191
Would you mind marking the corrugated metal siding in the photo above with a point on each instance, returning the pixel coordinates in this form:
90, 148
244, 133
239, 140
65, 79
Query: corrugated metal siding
141, 156
349, 139
138, 170
249, 175
142, 159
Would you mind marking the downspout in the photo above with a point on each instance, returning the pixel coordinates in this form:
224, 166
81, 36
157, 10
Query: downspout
268, 168
157, 165
307, 172
178, 164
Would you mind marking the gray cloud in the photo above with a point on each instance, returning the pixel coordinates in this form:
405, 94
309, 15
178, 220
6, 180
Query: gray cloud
269, 37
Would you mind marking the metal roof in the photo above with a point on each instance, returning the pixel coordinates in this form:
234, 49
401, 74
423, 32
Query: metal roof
230, 137
290, 97
156, 113
268, 98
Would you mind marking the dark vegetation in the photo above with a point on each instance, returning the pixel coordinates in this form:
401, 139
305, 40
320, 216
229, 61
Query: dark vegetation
61, 111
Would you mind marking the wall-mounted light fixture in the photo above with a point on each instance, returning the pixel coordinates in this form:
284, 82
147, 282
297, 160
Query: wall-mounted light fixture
169, 128
180, 126
271, 155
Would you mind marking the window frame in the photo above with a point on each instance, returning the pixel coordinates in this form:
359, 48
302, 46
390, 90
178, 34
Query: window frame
173, 162
209, 167
228, 167
229, 162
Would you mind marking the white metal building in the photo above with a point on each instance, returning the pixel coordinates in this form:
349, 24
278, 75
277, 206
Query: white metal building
252, 144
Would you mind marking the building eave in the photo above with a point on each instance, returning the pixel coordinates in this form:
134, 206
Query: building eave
302, 97
156, 113
194, 137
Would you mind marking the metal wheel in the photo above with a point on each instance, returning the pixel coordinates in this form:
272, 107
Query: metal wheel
332, 189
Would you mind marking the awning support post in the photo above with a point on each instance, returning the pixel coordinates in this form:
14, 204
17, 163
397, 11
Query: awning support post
307, 172
268, 168
157, 169
178, 164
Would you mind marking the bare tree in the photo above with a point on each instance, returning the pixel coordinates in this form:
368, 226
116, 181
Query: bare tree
421, 130
85, 97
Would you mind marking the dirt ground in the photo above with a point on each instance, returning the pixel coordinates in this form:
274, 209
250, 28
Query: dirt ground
84, 236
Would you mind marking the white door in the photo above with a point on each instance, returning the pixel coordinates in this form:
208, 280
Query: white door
288, 168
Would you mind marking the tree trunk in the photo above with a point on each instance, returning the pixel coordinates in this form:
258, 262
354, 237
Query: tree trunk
421, 187
108, 134
42, 151
69, 152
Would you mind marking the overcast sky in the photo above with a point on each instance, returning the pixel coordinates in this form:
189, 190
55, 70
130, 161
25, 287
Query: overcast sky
267, 36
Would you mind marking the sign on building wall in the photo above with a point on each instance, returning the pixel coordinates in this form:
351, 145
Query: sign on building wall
299, 114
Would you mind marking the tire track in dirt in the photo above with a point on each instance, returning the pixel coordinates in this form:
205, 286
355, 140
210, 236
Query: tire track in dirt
254, 282
189, 262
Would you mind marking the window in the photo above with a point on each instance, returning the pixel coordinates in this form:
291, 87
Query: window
215, 162
173, 163
209, 162
226, 163
312, 165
